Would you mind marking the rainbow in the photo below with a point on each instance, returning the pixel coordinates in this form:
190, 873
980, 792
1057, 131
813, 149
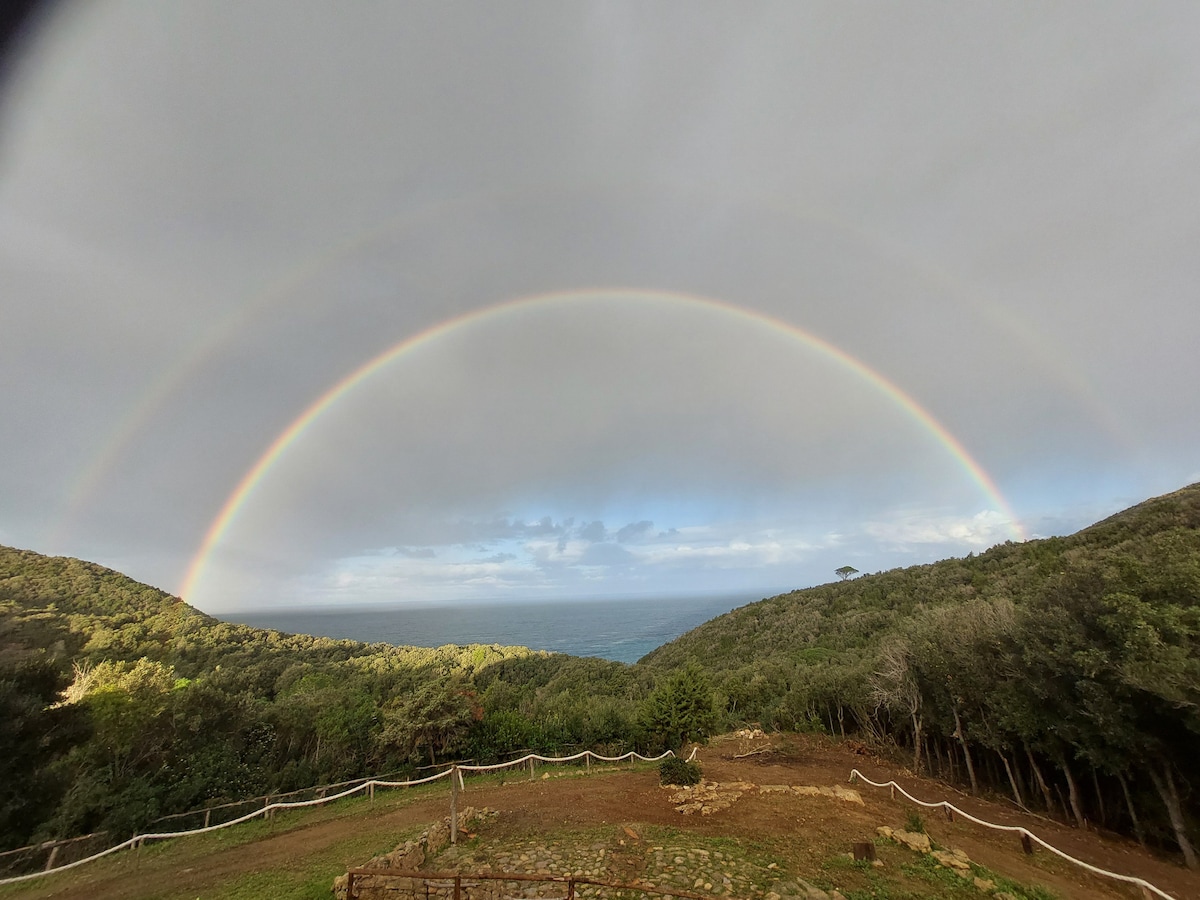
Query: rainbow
279, 446
81, 491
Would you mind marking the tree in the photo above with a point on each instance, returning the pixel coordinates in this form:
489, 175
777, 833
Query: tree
845, 572
682, 709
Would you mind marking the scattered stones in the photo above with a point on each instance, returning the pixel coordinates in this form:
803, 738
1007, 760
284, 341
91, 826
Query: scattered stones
913, 840
955, 860
709, 797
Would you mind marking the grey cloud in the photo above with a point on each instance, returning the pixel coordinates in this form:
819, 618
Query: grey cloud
498, 558
592, 531
634, 530
416, 552
193, 253
606, 554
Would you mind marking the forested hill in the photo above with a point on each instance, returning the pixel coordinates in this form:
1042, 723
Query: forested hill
1152, 549
1065, 671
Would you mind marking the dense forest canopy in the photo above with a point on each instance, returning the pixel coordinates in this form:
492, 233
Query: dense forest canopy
1064, 672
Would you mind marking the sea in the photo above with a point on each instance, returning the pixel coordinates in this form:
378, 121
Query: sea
621, 629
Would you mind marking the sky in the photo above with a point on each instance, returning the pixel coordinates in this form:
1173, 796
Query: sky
310, 305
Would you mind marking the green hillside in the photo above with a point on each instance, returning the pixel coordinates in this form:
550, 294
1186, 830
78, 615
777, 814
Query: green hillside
1063, 672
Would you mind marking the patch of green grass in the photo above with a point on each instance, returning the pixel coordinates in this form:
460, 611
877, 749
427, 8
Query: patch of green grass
907, 876
914, 822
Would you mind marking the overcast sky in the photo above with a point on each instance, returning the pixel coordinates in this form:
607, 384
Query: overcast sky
816, 284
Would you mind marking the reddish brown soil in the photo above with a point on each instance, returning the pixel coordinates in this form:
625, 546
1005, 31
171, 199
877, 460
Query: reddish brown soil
801, 832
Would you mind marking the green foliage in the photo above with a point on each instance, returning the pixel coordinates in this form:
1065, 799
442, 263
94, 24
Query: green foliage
681, 709
914, 822
678, 771
1075, 660
35, 735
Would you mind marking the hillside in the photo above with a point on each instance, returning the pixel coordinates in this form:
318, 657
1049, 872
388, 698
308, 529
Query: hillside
1062, 672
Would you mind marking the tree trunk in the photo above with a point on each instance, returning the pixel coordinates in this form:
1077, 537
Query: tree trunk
958, 733
1012, 780
1099, 798
1165, 785
1037, 774
916, 720
1072, 792
1137, 825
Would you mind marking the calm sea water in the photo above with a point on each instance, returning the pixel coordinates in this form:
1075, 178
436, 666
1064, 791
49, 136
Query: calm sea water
623, 629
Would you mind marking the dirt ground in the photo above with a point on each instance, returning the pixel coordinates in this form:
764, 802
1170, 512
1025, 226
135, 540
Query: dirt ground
801, 832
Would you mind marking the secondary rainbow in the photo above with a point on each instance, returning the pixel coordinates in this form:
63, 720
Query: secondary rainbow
325, 401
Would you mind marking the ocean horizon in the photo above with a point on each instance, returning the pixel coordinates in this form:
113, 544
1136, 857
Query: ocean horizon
623, 629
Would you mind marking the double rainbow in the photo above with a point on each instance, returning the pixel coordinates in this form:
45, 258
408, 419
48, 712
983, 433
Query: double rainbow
323, 403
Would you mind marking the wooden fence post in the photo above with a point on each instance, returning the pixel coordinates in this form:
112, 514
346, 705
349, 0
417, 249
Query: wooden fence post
454, 815
53, 855
207, 817
1026, 843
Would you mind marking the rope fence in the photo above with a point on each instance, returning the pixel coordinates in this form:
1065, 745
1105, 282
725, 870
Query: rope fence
367, 787
1025, 833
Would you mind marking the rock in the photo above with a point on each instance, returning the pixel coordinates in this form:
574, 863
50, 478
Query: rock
914, 840
850, 796
985, 884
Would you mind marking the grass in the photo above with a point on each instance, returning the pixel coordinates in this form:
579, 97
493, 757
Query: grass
908, 876
302, 878
180, 853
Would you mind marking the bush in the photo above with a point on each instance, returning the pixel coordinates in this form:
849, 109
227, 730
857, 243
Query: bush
678, 771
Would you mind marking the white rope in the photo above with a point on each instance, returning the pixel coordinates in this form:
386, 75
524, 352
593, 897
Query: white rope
1025, 832
561, 759
138, 839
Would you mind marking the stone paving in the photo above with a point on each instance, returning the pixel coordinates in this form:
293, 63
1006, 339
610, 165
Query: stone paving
695, 870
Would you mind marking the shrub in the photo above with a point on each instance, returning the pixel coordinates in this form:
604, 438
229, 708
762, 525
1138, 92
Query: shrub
678, 771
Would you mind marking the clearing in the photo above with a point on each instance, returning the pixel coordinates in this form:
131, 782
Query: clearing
631, 828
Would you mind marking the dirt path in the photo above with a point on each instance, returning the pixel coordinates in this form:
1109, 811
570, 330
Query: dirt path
802, 833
